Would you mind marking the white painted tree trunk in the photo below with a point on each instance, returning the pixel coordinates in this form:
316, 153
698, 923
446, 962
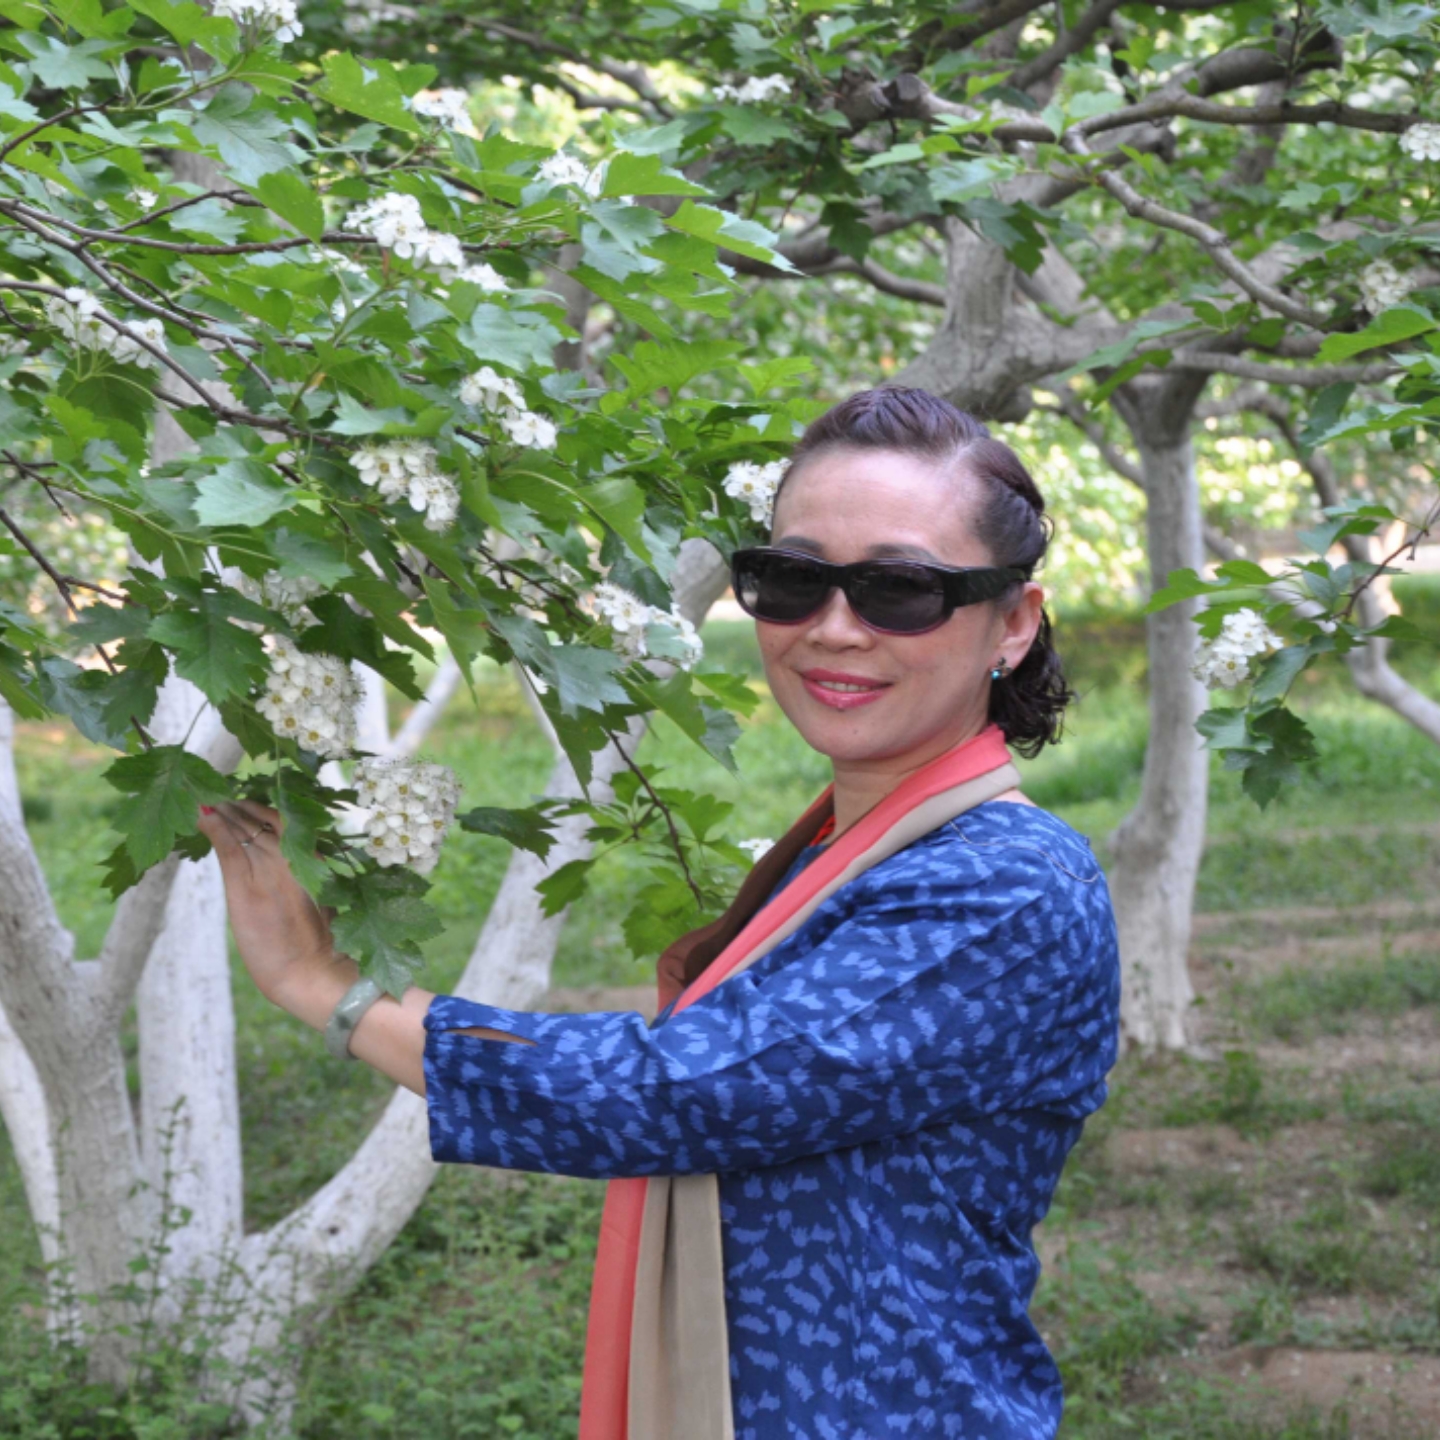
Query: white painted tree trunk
1156, 851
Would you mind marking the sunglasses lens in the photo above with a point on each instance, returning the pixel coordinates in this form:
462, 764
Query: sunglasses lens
899, 598
779, 588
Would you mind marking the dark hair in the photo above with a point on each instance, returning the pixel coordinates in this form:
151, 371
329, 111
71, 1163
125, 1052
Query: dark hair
1029, 703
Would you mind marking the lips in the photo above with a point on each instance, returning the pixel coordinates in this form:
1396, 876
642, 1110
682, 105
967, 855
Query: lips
841, 691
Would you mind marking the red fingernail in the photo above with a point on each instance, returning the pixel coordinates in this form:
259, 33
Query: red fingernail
207, 809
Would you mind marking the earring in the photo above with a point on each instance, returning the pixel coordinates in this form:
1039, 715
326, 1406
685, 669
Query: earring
1001, 670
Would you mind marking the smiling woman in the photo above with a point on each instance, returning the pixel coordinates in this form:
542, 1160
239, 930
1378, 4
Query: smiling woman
827, 1155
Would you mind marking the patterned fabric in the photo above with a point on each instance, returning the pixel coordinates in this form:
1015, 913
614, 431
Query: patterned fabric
887, 1097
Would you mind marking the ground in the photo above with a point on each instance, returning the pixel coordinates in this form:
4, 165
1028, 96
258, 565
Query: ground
1245, 1246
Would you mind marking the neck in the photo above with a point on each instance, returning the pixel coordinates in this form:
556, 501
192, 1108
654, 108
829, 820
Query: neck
860, 785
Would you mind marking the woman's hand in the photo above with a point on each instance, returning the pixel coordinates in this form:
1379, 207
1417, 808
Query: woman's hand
284, 939
283, 936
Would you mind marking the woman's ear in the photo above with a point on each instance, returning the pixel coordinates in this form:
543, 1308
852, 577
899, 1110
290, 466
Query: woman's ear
1021, 623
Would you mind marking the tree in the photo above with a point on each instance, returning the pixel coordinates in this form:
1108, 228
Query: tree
337, 312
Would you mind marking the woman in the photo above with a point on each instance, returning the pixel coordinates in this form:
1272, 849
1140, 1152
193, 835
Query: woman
828, 1154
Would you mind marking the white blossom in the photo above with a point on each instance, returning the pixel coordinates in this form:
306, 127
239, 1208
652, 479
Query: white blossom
755, 485
1225, 660
310, 699
630, 620
563, 169
756, 90
525, 427
487, 277
409, 470
756, 848
451, 107
485, 390
1381, 286
80, 316
263, 16
410, 805
394, 222
142, 197
1422, 141
285, 593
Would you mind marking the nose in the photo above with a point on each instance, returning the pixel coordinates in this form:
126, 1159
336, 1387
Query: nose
834, 625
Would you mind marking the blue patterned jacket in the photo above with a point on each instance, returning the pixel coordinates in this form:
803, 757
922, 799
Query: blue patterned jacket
887, 1097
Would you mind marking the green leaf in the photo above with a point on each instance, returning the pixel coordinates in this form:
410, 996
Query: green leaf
354, 637
662, 910
298, 554
67, 67
715, 731
620, 503
1225, 729
1245, 572
728, 231
370, 88
644, 174
211, 651
66, 689
584, 677
1180, 585
292, 198
564, 887
304, 815
381, 919
1278, 673
517, 339
241, 492
528, 830
163, 789
191, 25
245, 133
1401, 322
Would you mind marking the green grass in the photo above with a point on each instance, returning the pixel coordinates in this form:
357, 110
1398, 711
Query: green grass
1334, 999
473, 1323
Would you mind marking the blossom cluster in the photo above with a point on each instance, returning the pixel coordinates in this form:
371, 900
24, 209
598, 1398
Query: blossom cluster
756, 90
630, 619
266, 17
756, 848
1225, 660
81, 316
1422, 141
563, 169
394, 222
485, 390
755, 485
409, 470
410, 805
285, 593
310, 699
1381, 286
451, 107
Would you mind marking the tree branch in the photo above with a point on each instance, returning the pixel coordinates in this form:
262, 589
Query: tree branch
1309, 377
923, 292
1215, 242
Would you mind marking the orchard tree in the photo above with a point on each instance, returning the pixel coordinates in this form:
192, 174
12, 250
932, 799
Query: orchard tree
289, 328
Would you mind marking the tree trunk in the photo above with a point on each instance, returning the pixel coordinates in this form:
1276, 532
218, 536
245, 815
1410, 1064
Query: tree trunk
1156, 850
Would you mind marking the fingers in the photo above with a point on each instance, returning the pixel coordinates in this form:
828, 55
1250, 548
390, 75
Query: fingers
258, 815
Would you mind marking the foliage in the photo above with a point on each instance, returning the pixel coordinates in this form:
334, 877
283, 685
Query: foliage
340, 300
1262, 737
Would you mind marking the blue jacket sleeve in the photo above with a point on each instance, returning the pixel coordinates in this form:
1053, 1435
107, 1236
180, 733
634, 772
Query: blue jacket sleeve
919, 997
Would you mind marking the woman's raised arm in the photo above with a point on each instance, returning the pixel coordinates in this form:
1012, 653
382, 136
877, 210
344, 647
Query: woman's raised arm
284, 939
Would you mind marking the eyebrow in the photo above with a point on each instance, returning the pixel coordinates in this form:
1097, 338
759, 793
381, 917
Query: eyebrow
873, 552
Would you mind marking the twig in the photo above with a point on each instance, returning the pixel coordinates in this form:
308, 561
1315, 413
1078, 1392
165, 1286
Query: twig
664, 809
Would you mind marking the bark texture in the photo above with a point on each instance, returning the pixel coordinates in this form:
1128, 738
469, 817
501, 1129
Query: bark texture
1155, 852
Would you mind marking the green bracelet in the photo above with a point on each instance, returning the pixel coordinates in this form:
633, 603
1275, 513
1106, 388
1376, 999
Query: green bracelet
347, 1015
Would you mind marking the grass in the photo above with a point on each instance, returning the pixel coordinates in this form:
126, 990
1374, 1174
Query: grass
473, 1322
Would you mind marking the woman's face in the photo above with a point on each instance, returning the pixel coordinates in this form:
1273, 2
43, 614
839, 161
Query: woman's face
858, 695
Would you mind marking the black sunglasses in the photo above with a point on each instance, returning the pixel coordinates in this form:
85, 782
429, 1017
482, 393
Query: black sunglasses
900, 597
